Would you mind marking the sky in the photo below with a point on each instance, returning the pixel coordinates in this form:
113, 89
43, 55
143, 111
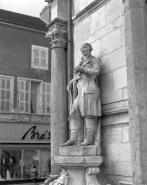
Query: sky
28, 7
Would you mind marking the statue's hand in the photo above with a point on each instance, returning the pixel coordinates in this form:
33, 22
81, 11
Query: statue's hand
79, 69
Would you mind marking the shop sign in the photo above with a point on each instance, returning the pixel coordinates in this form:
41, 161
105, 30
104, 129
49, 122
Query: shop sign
36, 135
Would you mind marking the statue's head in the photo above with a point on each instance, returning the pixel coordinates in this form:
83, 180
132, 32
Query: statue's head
86, 49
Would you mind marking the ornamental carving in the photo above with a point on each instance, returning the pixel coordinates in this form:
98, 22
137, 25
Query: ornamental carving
57, 35
90, 176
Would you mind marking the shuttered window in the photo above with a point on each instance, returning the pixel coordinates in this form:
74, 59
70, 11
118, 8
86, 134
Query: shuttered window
6, 93
39, 57
34, 96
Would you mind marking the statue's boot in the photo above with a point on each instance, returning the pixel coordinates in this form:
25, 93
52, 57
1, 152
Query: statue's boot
73, 138
89, 137
89, 132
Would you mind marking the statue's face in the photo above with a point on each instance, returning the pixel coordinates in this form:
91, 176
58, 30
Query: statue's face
85, 50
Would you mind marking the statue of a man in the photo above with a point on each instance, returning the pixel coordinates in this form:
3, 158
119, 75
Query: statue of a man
86, 104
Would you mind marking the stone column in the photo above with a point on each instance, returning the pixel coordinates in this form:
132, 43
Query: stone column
58, 36
136, 51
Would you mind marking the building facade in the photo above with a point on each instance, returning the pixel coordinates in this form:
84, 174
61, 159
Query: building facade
24, 96
116, 29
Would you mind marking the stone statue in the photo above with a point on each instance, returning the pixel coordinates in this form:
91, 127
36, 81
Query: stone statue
86, 96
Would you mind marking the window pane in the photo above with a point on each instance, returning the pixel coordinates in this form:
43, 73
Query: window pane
21, 106
48, 88
3, 83
43, 62
43, 88
26, 107
3, 105
3, 94
7, 105
48, 109
36, 61
10, 160
36, 52
21, 96
22, 85
8, 84
27, 86
43, 53
48, 98
27, 96
43, 98
7, 95
43, 108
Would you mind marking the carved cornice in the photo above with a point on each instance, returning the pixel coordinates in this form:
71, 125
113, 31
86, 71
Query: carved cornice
86, 11
57, 33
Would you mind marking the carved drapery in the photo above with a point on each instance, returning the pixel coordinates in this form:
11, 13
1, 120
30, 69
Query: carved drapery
57, 36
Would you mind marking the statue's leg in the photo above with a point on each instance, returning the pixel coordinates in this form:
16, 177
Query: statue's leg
89, 131
74, 131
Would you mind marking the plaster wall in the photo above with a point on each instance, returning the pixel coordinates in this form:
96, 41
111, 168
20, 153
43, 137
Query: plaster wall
103, 27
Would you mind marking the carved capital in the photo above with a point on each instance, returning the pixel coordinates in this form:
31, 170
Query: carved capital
57, 35
90, 176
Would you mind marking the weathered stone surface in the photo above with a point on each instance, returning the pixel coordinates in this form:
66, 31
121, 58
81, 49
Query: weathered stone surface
136, 47
77, 151
119, 22
80, 5
114, 120
83, 29
104, 65
98, 19
78, 161
96, 48
104, 31
126, 134
114, 9
106, 82
111, 42
112, 96
113, 106
112, 135
125, 94
124, 152
120, 78
119, 168
117, 59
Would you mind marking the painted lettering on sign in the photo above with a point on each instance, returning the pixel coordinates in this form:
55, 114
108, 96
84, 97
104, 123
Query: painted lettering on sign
34, 134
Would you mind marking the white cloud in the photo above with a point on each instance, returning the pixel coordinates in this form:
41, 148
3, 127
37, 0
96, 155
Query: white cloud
28, 7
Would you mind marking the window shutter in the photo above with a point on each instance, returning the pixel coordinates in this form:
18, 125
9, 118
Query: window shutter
39, 103
12, 94
35, 57
46, 59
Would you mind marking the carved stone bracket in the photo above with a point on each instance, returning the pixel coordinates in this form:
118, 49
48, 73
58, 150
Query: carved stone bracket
62, 180
57, 35
90, 176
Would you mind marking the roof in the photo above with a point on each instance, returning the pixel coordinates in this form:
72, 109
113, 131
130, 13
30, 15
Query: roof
22, 20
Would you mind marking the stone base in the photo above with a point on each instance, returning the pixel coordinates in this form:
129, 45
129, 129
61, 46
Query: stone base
78, 161
78, 150
79, 165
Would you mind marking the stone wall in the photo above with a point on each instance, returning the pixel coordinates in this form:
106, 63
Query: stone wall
102, 25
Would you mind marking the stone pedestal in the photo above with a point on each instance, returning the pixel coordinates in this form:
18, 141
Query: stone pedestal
79, 164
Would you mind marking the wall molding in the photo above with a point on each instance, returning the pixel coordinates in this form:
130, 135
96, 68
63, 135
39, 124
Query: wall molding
87, 10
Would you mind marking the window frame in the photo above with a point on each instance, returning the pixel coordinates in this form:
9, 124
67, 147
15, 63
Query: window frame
11, 93
46, 59
39, 99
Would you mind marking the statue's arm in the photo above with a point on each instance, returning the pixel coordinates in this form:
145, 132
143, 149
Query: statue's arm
91, 71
